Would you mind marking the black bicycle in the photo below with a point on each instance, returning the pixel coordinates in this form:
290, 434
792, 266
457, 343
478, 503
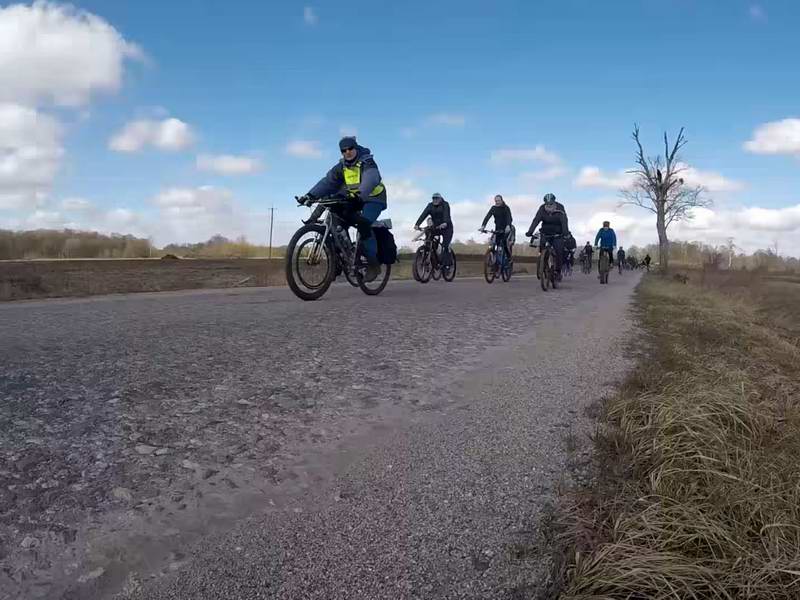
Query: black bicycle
428, 259
546, 269
319, 251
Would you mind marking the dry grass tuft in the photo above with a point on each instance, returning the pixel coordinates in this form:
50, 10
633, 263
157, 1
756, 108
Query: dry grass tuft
697, 491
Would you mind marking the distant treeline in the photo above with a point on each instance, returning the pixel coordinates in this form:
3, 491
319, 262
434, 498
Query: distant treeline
47, 243
221, 247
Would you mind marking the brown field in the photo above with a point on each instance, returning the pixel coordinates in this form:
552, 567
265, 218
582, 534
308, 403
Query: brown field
695, 487
21, 280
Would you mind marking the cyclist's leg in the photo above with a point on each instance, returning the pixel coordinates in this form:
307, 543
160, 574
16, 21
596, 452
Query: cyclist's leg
369, 214
558, 247
447, 238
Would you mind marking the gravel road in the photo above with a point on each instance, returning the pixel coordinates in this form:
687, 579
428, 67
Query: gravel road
243, 444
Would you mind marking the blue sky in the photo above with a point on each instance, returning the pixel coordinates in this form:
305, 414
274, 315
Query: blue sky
465, 98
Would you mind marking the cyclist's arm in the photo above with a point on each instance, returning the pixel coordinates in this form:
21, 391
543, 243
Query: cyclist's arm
424, 214
486, 218
597, 237
330, 184
613, 238
510, 218
370, 178
564, 223
536, 220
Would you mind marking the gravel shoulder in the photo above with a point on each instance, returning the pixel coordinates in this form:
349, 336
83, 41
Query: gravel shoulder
246, 445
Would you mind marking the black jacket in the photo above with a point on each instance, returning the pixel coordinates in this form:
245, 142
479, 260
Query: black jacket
502, 217
553, 222
440, 214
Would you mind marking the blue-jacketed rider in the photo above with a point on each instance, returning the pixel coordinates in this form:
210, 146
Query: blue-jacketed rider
356, 177
607, 241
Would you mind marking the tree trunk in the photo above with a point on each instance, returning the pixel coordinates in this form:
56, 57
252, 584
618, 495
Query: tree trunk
663, 241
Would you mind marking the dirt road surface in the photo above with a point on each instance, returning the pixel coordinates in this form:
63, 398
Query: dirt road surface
243, 444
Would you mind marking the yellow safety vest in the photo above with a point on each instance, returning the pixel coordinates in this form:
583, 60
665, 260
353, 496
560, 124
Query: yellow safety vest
352, 179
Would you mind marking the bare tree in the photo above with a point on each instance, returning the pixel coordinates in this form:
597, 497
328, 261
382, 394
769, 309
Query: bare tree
659, 187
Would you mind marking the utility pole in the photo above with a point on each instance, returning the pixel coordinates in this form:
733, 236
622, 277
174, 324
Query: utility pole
271, 219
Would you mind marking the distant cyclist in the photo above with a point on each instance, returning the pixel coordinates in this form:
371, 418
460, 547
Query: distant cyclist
621, 258
607, 240
588, 251
502, 223
439, 211
555, 226
647, 261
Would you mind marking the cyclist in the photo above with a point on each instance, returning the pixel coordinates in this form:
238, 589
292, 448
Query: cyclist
607, 239
553, 217
502, 223
569, 258
439, 211
357, 178
621, 257
588, 251
647, 262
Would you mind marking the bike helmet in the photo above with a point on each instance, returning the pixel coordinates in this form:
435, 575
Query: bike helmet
437, 196
549, 198
606, 224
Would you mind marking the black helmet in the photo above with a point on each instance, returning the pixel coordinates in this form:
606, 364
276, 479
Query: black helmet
549, 198
349, 141
437, 196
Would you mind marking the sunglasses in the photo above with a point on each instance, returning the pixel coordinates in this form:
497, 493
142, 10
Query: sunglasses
347, 150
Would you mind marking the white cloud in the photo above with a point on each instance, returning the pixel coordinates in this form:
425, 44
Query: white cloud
56, 53
194, 201
304, 149
443, 119
76, 204
227, 164
309, 16
593, 177
44, 219
169, 135
447, 120
757, 12
404, 190
770, 219
776, 137
711, 180
547, 174
537, 154
30, 155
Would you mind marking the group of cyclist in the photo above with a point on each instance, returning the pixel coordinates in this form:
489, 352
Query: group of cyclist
356, 177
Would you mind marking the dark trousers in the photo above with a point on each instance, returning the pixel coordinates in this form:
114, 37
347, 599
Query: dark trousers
610, 253
557, 242
447, 238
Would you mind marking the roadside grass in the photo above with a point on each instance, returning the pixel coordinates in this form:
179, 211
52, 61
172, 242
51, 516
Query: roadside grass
696, 472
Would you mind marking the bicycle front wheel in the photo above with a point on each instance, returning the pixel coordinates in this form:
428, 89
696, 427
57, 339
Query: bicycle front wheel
489, 272
544, 269
422, 265
449, 271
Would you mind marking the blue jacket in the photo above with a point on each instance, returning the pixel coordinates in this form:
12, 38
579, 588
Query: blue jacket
333, 182
607, 238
